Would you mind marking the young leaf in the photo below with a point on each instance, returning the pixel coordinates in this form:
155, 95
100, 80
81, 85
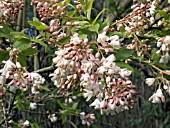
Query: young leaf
98, 16
39, 25
124, 65
40, 42
22, 60
163, 14
88, 8
123, 53
30, 52
95, 28
34, 125
22, 44
44, 88
4, 55
19, 35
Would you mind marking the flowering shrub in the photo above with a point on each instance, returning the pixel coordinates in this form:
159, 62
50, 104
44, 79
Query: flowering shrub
93, 59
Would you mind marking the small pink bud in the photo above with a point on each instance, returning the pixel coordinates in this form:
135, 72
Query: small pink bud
106, 29
18, 65
163, 99
107, 50
55, 33
75, 76
163, 47
57, 71
103, 105
128, 29
97, 55
24, 85
18, 83
92, 77
12, 82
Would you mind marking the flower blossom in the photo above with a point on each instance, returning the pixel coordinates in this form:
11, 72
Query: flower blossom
157, 97
33, 106
26, 123
52, 118
102, 38
8, 65
124, 72
115, 43
88, 94
150, 81
37, 78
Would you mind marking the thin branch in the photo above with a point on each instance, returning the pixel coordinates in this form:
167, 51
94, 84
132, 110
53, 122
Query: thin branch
47, 69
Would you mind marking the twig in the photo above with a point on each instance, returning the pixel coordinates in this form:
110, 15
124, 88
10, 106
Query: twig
45, 69
4, 114
72, 124
12, 104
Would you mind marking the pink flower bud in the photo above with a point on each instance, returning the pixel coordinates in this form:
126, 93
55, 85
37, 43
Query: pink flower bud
97, 55
163, 47
106, 29
75, 76
12, 82
163, 99
128, 29
18, 83
103, 104
18, 65
24, 85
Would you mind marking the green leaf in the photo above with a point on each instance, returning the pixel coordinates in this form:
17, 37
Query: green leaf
39, 25
74, 106
107, 21
161, 66
64, 40
88, 8
4, 55
67, 1
22, 44
5, 31
95, 28
62, 105
34, 125
3, 34
29, 52
22, 60
155, 57
19, 35
82, 36
82, 23
121, 34
123, 53
163, 14
98, 16
21, 104
64, 118
85, 31
124, 65
44, 88
40, 42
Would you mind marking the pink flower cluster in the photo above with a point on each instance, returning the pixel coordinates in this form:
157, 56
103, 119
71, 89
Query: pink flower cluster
18, 76
9, 10
48, 9
87, 119
96, 73
163, 45
140, 18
